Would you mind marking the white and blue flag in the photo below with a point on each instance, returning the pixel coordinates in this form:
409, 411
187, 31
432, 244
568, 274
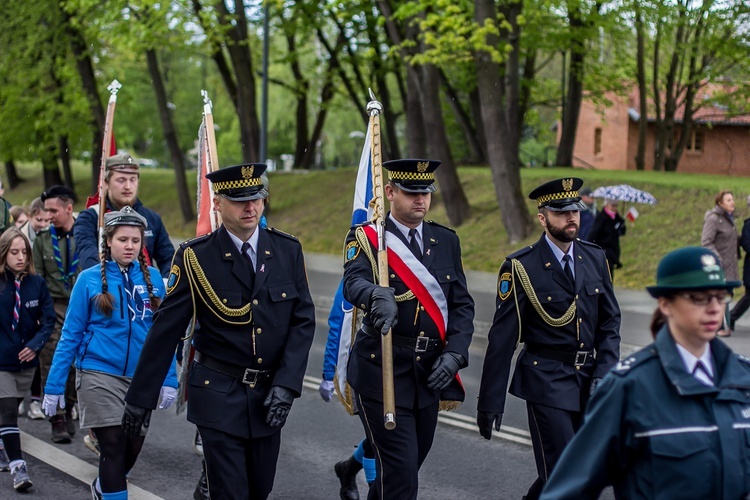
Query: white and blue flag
341, 318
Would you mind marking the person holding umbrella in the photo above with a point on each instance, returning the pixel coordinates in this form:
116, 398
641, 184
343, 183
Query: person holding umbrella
608, 227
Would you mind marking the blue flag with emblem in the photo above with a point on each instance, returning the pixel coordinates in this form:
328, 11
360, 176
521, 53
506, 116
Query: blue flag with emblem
342, 317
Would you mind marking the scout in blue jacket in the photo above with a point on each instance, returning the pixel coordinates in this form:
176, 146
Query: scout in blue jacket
26, 320
672, 420
110, 312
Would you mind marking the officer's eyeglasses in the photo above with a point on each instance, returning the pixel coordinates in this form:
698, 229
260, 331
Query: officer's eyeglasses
703, 299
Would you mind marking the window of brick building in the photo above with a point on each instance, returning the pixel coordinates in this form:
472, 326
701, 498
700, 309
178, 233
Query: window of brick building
695, 142
597, 141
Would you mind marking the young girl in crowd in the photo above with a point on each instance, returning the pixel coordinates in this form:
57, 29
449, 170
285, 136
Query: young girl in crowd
26, 320
110, 312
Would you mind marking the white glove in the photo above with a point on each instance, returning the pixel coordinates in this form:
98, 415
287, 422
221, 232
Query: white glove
168, 396
326, 390
51, 402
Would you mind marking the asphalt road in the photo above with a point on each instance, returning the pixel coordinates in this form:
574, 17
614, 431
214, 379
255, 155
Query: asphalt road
461, 464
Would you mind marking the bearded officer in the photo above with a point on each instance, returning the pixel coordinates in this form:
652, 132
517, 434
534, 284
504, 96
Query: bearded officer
431, 313
248, 289
556, 297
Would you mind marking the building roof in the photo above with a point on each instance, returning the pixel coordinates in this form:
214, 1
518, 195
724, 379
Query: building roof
710, 112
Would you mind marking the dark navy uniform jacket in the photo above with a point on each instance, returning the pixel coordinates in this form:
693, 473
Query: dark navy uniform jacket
652, 430
158, 244
442, 257
35, 321
596, 325
283, 325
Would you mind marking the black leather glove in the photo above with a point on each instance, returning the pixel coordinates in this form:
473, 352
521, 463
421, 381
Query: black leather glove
444, 370
486, 421
279, 402
383, 309
134, 418
594, 383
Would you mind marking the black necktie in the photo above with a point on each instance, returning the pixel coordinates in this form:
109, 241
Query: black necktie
244, 253
568, 271
414, 244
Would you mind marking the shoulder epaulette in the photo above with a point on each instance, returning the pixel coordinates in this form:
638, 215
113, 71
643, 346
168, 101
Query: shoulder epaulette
635, 359
587, 243
522, 251
273, 230
433, 223
193, 241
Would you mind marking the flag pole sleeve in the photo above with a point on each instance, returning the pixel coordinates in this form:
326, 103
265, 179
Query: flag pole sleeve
389, 400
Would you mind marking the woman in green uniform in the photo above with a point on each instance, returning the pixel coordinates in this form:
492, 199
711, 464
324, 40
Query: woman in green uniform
672, 420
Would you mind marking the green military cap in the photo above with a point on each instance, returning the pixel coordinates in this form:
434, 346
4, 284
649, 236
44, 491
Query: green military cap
122, 163
125, 217
690, 268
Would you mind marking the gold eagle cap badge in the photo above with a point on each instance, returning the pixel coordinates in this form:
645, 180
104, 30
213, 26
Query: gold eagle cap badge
247, 172
422, 166
567, 184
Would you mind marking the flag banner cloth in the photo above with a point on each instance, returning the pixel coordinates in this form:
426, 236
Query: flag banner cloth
343, 317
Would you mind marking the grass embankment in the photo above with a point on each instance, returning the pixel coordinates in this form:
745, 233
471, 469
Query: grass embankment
316, 207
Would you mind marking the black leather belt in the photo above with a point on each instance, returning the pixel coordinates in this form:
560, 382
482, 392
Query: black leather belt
247, 376
575, 358
417, 344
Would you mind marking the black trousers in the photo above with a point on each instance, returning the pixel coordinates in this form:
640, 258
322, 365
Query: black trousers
239, 468
399, 453
739, 308
551, 430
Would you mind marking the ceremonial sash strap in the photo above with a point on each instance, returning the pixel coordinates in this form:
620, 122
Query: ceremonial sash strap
415, 275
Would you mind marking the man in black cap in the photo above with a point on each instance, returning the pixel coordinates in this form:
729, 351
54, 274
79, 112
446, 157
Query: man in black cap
122, 178
556, 297
247, 288
431, 315
56, 260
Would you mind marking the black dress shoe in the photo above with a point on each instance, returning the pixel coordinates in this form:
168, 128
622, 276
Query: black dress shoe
347, 470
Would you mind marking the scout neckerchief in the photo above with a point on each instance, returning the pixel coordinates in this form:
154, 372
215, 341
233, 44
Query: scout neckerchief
415, 276
136, 304
72, 265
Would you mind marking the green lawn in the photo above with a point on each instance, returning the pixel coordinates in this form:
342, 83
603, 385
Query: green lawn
316, 207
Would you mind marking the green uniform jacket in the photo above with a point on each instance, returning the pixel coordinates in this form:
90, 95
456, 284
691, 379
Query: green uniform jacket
652, 430
47, 267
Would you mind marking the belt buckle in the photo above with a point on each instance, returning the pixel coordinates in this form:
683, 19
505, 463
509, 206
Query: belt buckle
578, 361
421, 348
250, 377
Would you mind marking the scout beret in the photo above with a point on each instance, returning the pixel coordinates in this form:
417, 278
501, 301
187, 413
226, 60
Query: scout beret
58, 192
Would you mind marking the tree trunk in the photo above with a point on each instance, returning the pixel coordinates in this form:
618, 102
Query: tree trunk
500, 115
170, 136
575, 87
85, 67
65, 160
238, 46
51, 171
326, 94
300, 88
476, 113
13, 178
640, 157
476, 155
456, 204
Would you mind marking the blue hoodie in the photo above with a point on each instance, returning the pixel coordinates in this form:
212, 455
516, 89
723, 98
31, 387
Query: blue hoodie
105, 344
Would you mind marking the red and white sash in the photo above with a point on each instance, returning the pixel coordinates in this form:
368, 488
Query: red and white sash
415, 276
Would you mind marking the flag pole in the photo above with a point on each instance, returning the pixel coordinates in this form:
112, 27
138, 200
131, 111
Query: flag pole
113, 88
389, 400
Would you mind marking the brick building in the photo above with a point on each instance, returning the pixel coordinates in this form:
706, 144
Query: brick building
607, 138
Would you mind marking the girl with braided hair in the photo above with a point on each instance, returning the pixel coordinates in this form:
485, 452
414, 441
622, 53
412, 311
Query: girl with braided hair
110, 312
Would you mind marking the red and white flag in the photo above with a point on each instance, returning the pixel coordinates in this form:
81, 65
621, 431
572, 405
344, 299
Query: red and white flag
632, 214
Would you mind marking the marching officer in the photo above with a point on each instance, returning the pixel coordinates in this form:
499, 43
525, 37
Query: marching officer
248, 289
556, 297
431, 313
